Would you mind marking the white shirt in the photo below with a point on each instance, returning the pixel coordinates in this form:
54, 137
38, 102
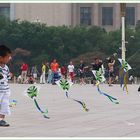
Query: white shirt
5, 75
70, 68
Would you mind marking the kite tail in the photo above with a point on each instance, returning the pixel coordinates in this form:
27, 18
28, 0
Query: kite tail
112, 99
44, 113
125, 82
67, 94
122, 77
80, 102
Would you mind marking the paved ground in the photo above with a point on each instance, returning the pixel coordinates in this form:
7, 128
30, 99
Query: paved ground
67, 119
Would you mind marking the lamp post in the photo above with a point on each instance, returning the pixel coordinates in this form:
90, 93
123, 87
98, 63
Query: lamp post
123, 7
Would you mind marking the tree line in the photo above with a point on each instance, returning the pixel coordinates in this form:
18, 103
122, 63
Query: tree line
34, 43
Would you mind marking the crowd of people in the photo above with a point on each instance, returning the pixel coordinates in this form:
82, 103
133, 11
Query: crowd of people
51, 72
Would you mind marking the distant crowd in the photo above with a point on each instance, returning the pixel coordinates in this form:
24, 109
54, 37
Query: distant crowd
51, 72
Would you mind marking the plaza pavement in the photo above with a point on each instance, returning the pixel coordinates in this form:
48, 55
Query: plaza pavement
67, 118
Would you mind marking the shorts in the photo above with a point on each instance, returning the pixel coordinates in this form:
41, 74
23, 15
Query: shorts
111, 74
81, 75
4, 102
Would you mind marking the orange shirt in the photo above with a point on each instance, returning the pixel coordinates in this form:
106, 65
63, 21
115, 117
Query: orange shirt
54, 67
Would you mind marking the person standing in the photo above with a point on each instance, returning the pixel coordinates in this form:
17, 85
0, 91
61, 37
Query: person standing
81, 69
49, 77
24, 69
96, 65
5, 56
47, 68
43, 72
63, 72
54, 68
71, 71
111, 63
34, 73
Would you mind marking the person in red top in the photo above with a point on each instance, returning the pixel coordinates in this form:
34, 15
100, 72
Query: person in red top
54, 67
63, 72
24, 68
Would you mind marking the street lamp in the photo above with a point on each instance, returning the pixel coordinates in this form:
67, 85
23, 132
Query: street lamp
123, 7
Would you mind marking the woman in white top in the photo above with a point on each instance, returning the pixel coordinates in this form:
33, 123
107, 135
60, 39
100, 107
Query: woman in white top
71, 71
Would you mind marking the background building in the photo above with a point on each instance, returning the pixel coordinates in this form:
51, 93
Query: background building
106, 15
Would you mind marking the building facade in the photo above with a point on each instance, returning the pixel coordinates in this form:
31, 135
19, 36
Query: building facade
106, 15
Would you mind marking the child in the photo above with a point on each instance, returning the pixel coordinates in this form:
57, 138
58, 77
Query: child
5, 56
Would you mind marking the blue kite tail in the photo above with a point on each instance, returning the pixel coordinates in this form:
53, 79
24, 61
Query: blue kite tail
83, 105
112, 99
67, 94
44, 113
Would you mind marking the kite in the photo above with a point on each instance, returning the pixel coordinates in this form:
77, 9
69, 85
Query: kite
100, 79
65, 85
32, 93
124, 73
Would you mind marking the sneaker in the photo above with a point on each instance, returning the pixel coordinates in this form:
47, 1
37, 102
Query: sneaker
4, 123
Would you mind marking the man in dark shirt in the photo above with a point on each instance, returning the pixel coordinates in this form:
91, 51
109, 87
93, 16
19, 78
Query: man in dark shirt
97, 64
81, 72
